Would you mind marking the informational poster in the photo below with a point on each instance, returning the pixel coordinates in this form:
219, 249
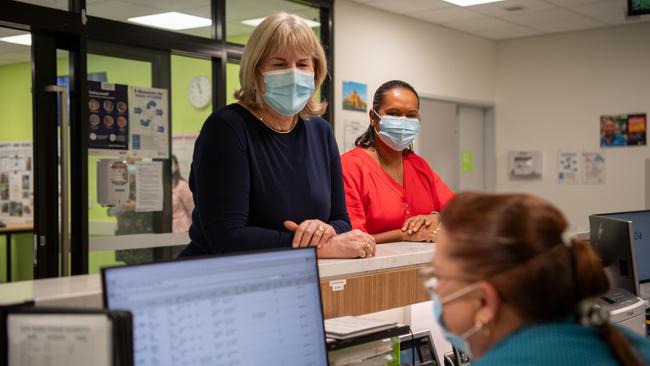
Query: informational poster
593, 167
568, 167
16, 182
149, 186
183, 149
352, 130
623, 130
355, 96
149, 131
108, 116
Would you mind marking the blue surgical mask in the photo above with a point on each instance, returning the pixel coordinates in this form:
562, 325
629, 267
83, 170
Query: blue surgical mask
460, 342
289, 90
397, 132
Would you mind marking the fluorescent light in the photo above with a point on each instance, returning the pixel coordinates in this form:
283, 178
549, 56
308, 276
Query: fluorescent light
255, 22
471, 2
172, 20
24, 39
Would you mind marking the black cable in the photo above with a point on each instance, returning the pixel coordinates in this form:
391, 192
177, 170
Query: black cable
412, 346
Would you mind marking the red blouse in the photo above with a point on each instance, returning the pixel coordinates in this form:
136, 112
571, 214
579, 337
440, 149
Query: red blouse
377, 203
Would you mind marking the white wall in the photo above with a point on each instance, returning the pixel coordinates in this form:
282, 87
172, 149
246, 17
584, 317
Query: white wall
373, 46
550, 92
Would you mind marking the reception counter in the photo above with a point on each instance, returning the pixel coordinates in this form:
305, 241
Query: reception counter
348, 286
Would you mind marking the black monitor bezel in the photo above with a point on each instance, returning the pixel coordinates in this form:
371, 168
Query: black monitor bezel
632, 12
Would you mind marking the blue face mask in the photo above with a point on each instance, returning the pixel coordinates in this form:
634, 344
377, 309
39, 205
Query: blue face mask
289, 90
459, 341
397, 132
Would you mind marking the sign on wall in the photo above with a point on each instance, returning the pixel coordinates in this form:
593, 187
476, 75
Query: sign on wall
149, 133
623, 130
128, 120
108, 116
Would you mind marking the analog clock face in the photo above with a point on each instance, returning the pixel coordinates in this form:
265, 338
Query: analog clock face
200, 91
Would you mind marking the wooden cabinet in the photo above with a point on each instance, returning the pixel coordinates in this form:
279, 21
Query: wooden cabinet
372, 292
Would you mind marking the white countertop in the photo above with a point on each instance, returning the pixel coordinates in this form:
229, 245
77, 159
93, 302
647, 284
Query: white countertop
389, 255
86, 290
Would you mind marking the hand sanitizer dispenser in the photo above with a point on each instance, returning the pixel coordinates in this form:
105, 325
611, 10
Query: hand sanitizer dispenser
112, 182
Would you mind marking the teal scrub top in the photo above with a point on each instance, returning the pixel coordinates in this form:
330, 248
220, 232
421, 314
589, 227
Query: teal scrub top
560, 343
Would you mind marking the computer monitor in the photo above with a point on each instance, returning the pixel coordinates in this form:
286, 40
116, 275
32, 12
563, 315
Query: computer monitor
418, 349
248, 309
613, 237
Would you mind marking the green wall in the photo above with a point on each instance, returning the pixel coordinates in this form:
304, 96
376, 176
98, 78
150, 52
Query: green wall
16, 124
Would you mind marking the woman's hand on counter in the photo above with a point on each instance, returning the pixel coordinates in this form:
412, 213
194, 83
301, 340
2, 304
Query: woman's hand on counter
413, 224
353, 244
310, 233
425, 233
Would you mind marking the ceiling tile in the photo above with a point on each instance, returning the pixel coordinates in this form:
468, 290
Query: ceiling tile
119, 10
601, 8
409, 6
622, 19
477, 25
507, 33
569, 25
531, 17
500, 8
447, 15
565, 3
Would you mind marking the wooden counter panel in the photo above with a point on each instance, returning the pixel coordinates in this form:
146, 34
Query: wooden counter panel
373, 292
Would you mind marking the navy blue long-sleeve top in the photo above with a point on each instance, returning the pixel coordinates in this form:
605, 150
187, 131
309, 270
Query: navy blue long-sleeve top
247, 180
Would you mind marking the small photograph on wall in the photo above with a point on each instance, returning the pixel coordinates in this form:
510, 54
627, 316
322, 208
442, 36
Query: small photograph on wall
623, 130
355, 96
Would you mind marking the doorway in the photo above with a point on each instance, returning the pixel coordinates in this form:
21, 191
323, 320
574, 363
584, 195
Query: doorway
457, 140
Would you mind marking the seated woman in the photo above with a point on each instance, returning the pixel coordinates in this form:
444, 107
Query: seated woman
510, 289
266, 172
391, 192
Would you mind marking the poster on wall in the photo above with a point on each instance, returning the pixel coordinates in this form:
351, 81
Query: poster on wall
593, 167
355, 96
149, 131
16, 183
148, 186
352, 130
108, 116
623, 130
567, 167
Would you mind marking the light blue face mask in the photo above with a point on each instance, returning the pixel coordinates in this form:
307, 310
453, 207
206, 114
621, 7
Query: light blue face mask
397, 132
459, 341
288, 90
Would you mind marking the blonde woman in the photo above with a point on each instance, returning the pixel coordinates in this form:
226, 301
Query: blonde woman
266, 171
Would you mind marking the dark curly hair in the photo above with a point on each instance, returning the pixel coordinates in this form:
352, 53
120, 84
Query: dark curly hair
368, 138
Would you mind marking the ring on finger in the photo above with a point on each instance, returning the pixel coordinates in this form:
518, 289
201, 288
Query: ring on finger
363, 253
321, 228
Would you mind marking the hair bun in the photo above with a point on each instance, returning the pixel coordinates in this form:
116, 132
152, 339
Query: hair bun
590, 313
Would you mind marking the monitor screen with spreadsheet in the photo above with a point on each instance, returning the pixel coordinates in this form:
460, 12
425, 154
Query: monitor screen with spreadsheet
249, 309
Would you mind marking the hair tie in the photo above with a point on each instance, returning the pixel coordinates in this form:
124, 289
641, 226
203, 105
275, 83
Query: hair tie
592, 314
566, 239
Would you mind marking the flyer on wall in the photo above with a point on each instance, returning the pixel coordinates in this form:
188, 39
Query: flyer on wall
108, 116
623, 130
567, 167
593, 167
149, 132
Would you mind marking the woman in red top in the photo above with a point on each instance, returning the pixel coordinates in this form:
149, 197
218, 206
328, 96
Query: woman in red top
391, 192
